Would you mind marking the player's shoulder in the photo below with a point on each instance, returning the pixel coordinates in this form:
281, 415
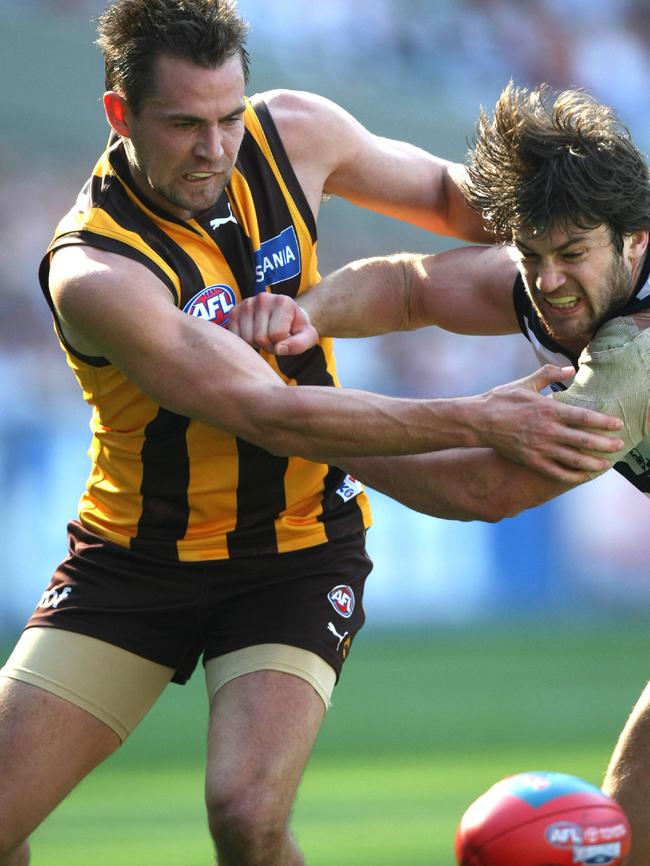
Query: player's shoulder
79, 262
283, 101
301, 114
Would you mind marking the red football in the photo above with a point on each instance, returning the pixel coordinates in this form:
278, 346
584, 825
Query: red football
543, 819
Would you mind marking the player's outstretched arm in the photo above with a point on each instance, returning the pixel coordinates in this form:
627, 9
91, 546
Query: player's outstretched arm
116, 308
466, 290
332, 152
457, 484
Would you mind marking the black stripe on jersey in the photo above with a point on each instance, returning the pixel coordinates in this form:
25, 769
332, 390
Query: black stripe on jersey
283, 163
310, 368
234, 244
339, 517
260, 498
260, 488
273, 214
166, 476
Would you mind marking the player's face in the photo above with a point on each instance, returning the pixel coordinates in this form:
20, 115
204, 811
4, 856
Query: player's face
576, 279
183, 143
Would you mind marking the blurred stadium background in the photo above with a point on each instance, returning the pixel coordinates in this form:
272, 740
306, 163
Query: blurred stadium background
529, 619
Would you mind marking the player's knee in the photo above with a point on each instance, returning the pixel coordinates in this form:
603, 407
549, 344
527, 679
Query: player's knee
246, 820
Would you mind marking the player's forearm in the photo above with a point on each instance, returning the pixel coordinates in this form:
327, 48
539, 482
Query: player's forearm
311, 421
458, 484
361, 299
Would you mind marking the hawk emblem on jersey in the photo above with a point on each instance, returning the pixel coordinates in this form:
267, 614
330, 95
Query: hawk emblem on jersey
342, 600
213, 303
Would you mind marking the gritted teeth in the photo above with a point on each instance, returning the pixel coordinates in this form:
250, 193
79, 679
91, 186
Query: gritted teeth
565, 301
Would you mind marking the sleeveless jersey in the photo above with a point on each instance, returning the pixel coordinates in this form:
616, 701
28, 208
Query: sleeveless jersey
165, 484
613, 371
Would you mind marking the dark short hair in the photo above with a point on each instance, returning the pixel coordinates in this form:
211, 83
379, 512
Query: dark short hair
546, 160
134, 33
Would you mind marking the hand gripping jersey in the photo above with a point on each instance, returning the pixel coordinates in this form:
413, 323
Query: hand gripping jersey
162, 483
613, 373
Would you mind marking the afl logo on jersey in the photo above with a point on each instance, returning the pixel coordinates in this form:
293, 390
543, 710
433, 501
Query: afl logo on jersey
213, 303
342, 600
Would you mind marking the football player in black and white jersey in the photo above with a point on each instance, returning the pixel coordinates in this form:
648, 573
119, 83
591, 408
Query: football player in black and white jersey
567, 194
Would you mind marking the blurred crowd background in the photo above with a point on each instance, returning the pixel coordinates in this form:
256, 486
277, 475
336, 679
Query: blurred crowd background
411, 69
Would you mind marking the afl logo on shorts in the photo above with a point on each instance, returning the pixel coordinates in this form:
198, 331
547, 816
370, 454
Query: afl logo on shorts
342, 600
214, 303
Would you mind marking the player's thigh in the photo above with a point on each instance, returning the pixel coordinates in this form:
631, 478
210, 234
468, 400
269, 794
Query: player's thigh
66, 703
263, 726
47, 745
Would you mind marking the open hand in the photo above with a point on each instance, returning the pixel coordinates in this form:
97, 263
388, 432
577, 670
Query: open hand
561, 441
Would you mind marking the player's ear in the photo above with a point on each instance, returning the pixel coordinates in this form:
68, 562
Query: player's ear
115, 108
637, 244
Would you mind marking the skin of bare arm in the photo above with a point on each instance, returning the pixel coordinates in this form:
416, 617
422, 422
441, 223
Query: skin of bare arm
332, 153
466, 290
110, 306
458, 484
115, 308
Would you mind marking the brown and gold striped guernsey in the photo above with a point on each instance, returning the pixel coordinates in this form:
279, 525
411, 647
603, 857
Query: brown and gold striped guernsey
162, 483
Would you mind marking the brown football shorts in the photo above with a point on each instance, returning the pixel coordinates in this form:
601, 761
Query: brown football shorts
150, 620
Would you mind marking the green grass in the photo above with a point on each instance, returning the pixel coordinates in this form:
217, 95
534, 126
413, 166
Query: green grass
420, 726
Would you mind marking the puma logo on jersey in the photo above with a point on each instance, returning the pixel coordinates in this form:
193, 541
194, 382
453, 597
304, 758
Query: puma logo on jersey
220, 221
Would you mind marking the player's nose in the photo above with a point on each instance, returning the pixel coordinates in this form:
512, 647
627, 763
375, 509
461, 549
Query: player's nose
549, 277
209, 145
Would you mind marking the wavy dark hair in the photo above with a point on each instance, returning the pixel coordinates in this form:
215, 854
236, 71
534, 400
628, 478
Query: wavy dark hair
134, 33
545, 160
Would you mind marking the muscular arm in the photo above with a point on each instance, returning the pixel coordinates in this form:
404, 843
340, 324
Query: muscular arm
331, 152
466, 290
113, 307
458, 484
480, 484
